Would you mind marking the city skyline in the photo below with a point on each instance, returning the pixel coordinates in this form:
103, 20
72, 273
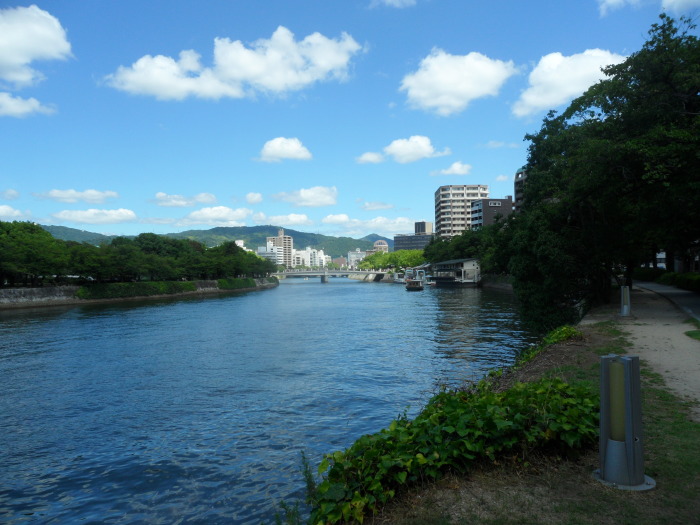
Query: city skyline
343, 119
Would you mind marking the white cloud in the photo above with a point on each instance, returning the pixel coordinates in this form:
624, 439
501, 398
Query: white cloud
93, 216
497, 144
89, 196
284, 148
680, 5
276, 65
21, 107
456, 168
254, 198
393, 3
605, 6
180, 201
28, 34
293, 219
446, 84
373, 206
340, 218
504, 178
9, 213
217, 216
379, 225
370, 158
310, 197
9, 194
412, 149
558, 79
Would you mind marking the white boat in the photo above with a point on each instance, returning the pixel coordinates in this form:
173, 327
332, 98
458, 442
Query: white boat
415, 280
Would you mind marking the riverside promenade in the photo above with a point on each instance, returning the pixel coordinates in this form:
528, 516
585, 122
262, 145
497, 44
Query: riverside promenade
656, 326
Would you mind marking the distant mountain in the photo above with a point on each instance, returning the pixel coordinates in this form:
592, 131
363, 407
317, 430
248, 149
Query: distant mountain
72, 234
253, 236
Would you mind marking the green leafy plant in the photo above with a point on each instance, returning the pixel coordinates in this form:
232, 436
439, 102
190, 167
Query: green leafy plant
453, 431
137, 289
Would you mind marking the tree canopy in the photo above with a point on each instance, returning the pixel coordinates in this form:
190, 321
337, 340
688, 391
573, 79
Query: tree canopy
30, 255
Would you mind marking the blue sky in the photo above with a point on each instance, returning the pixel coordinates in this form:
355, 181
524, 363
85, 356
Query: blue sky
339, 117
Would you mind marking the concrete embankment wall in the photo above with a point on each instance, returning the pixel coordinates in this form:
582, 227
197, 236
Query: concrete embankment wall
65, 295
372, 277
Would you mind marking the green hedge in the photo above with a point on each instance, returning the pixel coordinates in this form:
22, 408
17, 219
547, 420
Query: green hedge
686, 281
647, 274
137, 289
236, 284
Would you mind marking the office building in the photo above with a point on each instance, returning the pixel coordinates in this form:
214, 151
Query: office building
418, 241
287, 244
489, 211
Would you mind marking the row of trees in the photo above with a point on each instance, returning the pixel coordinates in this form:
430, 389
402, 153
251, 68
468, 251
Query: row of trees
610, 182
399, 259
29, 255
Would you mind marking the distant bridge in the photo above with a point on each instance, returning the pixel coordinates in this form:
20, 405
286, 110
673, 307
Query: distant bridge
325, 274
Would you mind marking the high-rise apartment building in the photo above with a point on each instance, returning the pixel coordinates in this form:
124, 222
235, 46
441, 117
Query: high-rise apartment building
519, 188
453, 208
287, 244
488, 211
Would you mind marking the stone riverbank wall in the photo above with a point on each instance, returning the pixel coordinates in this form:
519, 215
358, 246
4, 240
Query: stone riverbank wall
66, 295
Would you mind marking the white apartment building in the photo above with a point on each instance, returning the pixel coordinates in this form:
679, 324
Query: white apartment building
272, 252
309, 257
453, 205
287, 244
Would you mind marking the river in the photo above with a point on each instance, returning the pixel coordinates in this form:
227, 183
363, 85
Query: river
198, 410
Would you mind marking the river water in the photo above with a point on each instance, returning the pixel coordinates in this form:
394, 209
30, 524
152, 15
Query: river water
198, 410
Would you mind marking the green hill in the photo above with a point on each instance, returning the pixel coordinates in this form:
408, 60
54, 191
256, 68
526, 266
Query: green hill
253, 236
72, 234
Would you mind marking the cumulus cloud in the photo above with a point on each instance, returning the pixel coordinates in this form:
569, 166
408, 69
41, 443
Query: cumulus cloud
558, 79
276, 65
284, 148
9, 194
293, 219
27, 34
180, 201
217, 216
11, 106
373, 206
412, 149
89, 196
370, 158
253, 198
445, 84
10, 213
94, 216
456, 168
379, 225
310, 197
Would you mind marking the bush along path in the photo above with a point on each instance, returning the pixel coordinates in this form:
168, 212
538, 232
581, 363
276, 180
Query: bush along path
454, 431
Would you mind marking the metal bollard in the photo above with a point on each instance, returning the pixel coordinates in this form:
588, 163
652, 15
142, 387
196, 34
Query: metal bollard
625, 301
621, 443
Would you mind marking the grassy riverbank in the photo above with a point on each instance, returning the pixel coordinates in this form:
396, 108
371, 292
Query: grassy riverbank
550, 488
545, 484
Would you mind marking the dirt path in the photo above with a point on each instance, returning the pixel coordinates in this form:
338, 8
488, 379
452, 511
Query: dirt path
657, 329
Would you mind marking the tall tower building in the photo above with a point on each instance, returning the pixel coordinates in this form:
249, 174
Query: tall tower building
287, 244
453, 208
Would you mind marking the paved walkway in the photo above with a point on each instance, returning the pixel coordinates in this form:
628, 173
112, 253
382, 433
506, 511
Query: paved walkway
656, 326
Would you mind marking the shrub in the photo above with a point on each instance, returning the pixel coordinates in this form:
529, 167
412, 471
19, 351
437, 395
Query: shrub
647, 274
236, 284
453, 431
137, 289
688, 281
668, 278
